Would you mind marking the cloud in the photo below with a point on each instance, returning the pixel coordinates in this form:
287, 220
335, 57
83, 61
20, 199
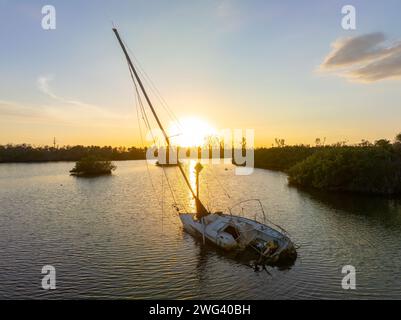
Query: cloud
388, 67
61, 110
75, 106
364, 58
43, 85
12, 109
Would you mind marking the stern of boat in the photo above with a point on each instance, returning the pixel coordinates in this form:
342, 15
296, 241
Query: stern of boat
285, 257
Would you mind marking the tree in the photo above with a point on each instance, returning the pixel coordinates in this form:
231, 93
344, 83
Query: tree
364, 143
319, 142
280, 142
384, 143
92, 166
398, 138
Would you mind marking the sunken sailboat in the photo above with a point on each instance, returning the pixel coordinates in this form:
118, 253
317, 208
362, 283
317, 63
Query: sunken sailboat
225, 230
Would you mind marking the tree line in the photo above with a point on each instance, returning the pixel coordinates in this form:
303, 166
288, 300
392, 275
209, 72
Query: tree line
28, 153
372, 168
364, 167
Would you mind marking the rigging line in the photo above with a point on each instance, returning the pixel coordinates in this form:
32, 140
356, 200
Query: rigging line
210, 205
156, 92
146, 161
131, 71
143, 110
169, 186
164, 171
142, 107
179, 180
146, 120
147, 165
154, 88
144, 116
162, 202
214, 175
179, 203
140, 131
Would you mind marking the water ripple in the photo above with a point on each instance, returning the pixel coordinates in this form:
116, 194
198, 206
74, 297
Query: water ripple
108, 238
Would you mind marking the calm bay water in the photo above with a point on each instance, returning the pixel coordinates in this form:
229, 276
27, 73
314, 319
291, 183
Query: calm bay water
108, 237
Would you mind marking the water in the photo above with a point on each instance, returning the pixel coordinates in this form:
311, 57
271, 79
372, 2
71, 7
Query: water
107, 237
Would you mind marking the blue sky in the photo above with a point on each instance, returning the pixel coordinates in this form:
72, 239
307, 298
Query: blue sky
236, 64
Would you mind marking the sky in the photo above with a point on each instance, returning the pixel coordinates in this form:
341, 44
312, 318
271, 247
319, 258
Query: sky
286, 69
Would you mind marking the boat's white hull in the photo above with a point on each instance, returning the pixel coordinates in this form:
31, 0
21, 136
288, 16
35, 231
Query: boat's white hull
232, 232
209, 232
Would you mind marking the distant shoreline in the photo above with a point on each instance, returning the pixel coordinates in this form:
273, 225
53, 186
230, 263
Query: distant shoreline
28, 154
56, 161
365, 168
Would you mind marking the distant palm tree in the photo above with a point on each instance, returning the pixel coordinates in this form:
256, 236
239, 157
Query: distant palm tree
280, 142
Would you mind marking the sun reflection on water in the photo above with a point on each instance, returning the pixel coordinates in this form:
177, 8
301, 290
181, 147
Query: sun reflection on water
192, 180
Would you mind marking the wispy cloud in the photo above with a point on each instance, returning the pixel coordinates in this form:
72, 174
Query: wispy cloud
13, 109
83, 109
365, 58
62, 110
43, 85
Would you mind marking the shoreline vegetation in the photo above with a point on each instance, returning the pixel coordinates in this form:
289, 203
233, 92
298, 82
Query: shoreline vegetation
26, 153
370, 168
366, 168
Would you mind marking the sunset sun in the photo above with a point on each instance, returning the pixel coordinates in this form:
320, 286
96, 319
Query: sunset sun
190, 132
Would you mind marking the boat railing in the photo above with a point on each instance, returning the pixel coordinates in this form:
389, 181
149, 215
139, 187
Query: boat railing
265, 218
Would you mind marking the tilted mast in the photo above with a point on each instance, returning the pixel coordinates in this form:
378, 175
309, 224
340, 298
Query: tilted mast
202, 211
